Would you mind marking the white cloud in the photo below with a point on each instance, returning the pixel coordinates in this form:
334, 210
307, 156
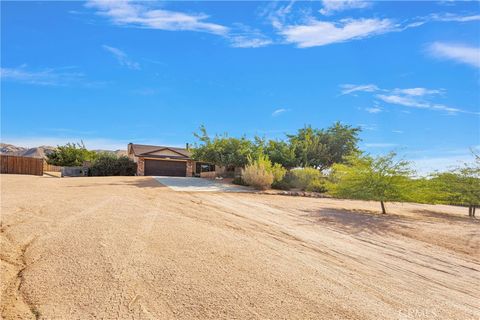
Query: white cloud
417, 91
414, 103
456, 52
397, 131
278, 112
410, 97
122, 57
320, 33
247, 37
351, 88
246, 42
142, 15
331, 6
44, 77
449, 17
374, 110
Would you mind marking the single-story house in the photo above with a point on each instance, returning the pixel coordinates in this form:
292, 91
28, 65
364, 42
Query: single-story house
166, 161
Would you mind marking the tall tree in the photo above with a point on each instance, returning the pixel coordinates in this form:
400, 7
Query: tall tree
459, 186
222, 150
382, 178
280, 152
321, 148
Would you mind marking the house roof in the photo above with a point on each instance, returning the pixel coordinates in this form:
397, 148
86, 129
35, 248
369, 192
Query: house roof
142, 150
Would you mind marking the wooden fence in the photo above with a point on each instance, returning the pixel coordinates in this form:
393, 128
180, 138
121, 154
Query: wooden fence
51, 168
21, 165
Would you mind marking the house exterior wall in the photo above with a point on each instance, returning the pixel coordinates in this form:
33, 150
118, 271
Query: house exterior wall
190, 168
140, 166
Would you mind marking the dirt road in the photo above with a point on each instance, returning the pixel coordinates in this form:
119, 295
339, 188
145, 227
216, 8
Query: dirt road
127, 248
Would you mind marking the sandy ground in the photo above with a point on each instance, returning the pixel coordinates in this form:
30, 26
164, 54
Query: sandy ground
127, 248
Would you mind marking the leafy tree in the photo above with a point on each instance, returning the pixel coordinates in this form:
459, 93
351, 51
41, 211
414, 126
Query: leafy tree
318, 148
381, 178
69, 155
280, 152
222, 150
321, 148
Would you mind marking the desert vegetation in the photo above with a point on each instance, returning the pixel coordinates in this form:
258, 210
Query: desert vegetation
100, 163
330, 161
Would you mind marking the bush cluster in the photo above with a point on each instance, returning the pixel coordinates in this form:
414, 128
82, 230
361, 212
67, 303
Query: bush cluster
260, 173
110, 165
308, 179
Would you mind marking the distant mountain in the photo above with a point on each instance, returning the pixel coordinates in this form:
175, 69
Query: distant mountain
42, 151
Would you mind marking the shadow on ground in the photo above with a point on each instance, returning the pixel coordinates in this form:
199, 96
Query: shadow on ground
446, 216
356, 221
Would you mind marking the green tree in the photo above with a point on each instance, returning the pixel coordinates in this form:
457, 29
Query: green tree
381, 178
280, 152
460, 186
70, 155
321, 148
222, 150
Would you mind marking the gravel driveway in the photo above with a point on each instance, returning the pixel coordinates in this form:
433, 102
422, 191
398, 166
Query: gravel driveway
199, 184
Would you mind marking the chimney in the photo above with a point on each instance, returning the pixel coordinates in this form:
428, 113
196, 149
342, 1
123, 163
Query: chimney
187, 146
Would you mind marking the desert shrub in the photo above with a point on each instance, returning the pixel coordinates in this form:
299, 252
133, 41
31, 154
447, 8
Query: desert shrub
261, 173
317, 185
306, 178
281, 185
110, 165
278, 172
257, 176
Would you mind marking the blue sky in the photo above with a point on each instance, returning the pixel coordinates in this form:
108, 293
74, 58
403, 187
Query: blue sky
113, 72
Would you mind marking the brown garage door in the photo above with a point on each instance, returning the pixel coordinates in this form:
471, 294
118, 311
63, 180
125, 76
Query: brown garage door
165, 168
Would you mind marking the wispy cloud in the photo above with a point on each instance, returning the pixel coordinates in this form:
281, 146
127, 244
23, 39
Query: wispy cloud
418, 92
320, 33
456, 52
248, 42
122, 57
332, 6
351, 88
278, 112
374, 110
418, 97
415, 103
246, 37
302, 28
450, 17
144, 15
44, 77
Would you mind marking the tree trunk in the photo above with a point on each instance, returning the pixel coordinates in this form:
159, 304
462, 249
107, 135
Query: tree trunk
473, 211
470, 209
383, 207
